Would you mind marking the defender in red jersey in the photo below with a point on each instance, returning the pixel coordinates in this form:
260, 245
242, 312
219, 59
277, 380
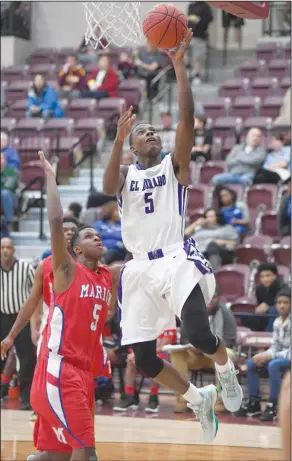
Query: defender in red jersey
62, 391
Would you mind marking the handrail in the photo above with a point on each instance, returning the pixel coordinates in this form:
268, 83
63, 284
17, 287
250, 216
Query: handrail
167, 89
160, 74
89, 153
40, 179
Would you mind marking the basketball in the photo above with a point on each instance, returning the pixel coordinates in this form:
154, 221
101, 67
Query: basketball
165, 26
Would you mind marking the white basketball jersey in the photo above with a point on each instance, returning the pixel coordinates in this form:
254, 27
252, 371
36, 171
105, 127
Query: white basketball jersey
152, 206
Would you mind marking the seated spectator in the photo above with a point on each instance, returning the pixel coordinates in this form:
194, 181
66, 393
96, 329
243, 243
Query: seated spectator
234, 213
43, 100
243, 160
284, 213
277, 163
203, 139
71, 78
74, 210
126, 65
148, 63
131, 397
86, 52
216, 240
223, 324
11, 155
102, 82
167, 135
276, 360
109, 228
9, 184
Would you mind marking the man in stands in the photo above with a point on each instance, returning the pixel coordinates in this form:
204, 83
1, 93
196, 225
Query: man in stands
148, 64
167, 134
71, 79
9, 184
276, 359
243, 160
102, 82
11, 155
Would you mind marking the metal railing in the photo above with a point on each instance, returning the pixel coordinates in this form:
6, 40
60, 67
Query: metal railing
88, 153
32, 202
166, 90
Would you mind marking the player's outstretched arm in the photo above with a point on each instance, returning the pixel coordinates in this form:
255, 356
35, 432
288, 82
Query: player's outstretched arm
115, 174
26, 311
185, 130
63, 264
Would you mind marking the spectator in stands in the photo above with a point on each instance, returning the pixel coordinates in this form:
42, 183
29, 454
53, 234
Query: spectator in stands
167, 134
203, 139
71, 78
126, 65
43, 100
236, 22
199, 16
70, 224
223, 324
148, 63
277, 163
243, 160
102, 82
11, 155
285, 111
234, 213
9, 184
131, 397
276, 359
86, 53
17, 278
215, 239
127, 158
284, 213
109, 228
74, 210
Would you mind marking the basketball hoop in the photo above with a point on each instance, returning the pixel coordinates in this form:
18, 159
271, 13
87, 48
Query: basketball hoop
115, 23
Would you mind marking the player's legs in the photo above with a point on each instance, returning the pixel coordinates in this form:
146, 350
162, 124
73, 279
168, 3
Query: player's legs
84, 454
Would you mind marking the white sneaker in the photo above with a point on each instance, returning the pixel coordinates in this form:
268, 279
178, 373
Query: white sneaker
205, 412
232, 394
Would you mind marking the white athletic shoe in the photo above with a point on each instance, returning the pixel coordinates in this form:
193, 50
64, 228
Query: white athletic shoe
205, 412
232, 394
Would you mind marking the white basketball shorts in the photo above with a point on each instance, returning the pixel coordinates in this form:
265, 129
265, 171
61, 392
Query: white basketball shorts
154, 287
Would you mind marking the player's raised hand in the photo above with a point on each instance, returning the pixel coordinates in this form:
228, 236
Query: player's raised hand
5, 346
46, 165
125, 123
178, 55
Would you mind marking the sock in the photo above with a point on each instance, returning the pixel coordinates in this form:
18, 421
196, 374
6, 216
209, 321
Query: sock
154, 390
224, 368
193, 395
5, 379
130, 390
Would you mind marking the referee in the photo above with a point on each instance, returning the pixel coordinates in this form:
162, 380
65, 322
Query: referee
17, 278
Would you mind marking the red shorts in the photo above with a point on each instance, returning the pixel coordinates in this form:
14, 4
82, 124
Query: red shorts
63, 397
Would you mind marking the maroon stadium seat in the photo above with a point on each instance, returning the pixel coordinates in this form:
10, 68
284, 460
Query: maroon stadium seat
81, 108
282, 255
251, 69
271, 106
264, 86
284, 272
246, 106
109, 108
259, 241
63, 148
29, 127
196, 214
18, 109
130, 90
232, 281
237, 188
15, 72
263, 123
60, 126
278, 68
197, 196
268, 51
42, 56
29, 148
91, 126
30, 171
258, 340
225, 126
262, 194
269, 225
209, 169
245, 254
8, 124
233, 88
228, 144
16, 90
47, 70
244, 304
217, 107
287, 51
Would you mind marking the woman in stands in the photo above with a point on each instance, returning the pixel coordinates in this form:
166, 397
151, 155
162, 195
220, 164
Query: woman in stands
234, 213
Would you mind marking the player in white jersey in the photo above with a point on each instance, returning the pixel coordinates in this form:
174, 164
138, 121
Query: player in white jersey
167, 275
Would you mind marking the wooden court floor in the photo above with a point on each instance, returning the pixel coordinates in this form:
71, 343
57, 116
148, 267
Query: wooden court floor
138, 439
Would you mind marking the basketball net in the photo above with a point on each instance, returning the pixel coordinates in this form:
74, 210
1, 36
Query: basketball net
115, 23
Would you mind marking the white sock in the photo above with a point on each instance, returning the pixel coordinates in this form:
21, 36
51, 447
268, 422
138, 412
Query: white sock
224, 368
193, 395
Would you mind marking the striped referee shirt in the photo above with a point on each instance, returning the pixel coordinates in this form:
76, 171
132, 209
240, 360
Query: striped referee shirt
15, 286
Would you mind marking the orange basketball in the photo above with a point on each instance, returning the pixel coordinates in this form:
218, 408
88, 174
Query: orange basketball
165, 26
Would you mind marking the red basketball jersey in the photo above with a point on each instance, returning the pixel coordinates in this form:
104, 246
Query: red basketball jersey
47, 281
77, 316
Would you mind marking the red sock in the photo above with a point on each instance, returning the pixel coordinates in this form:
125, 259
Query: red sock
5, 379
154, 390
130, 390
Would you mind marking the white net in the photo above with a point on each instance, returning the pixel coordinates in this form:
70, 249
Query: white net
115, 23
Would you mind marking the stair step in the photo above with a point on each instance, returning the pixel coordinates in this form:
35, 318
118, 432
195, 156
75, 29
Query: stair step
30, 252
